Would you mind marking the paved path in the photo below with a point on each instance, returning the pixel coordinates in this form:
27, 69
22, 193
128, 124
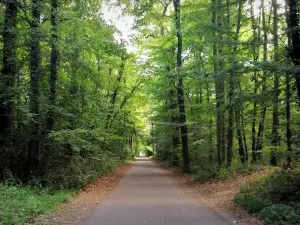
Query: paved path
148, 196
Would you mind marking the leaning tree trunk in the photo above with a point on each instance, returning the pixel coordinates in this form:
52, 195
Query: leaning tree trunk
9, 71
35, 74
180, 89
54, 59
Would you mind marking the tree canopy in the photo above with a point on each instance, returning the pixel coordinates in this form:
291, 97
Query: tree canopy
211, 85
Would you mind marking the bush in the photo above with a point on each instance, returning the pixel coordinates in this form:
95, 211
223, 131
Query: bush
281, 214
251, 202
80, 156
205, 175
275, 197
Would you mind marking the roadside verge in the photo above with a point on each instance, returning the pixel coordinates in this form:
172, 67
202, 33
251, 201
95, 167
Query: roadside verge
75, 210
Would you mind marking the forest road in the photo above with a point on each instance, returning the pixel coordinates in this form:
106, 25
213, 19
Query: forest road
147, 195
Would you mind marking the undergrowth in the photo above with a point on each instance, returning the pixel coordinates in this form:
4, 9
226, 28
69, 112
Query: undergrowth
19, 205
276, 198
208, 173
73, 159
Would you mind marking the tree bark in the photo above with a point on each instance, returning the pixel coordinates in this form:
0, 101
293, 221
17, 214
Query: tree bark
240, 136
180, 89
288, 119
9, 71
115, 93
288, 102
175, 120
232, 85
219, 84
35, 74
294, 30
54, 60
276, 91
256, 48
257, 154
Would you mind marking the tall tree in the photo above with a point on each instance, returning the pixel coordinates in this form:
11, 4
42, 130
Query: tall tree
276, 91
219, 79
259, 144
294, 30
35, 75
180, 89
232, 85
174, 117
9, 70
256, 53
54, 59
114, 95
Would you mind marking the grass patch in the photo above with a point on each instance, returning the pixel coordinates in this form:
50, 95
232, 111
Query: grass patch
276, 198
19, 205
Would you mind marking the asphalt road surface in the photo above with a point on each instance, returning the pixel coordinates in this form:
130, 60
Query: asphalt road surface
147, 196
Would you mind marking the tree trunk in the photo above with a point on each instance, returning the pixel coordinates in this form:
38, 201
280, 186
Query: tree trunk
288, 119
175, 120
288, 102
54, 59
9, 71
230, 120
244, 137
240, 136
209, 114
180, 89
256, 39
276, 91
114, 95
35, 74
259, 146
219, 87
232, 85
294, 30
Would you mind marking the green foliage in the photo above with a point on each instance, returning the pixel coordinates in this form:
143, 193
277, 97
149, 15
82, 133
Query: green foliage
206, 175
97, 123
282, 214
19, 205
253, 203
81, 156
275, 197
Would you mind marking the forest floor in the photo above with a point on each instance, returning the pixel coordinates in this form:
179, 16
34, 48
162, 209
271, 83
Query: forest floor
81, 205
219, 194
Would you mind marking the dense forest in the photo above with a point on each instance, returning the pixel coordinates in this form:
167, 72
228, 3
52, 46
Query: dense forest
69, 108
225, 81
211, 87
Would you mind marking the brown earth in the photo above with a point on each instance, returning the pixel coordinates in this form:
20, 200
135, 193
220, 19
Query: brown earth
82, 204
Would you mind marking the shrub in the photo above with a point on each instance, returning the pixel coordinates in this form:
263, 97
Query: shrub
80, 156
281, 214
251, 202
275, 197
205, 175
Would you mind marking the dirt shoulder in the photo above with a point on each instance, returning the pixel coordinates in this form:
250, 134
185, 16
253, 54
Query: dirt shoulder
81, 205
219, 194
